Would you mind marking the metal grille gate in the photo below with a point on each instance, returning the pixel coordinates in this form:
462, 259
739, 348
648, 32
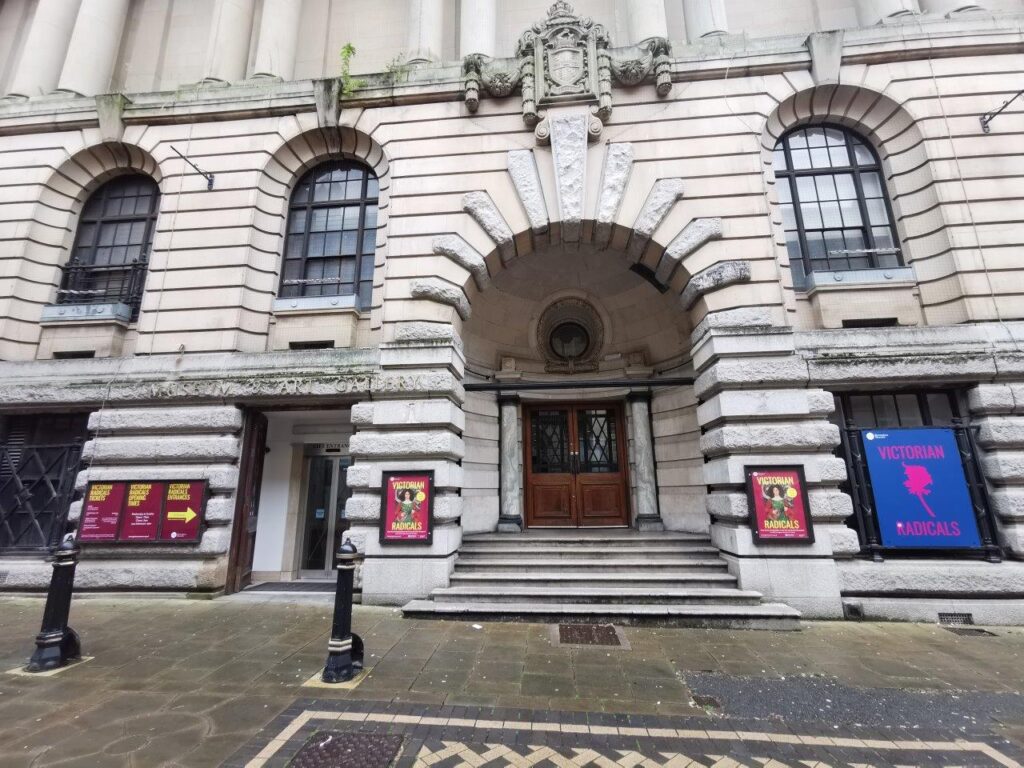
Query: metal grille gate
36, 485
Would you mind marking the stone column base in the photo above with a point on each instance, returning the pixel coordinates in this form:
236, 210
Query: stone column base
649, 523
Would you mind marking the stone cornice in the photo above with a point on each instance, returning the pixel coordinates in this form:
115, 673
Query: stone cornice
316, 375
731, 55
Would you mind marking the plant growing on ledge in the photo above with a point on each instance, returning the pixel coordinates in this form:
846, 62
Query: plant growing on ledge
349, 84
397, 70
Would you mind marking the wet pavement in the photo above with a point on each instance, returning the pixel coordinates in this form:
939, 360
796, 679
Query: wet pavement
176, 682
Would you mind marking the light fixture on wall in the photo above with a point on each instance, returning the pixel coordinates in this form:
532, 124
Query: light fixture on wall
988, 117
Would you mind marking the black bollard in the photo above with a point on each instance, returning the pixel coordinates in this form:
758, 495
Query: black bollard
344, 649
57, 643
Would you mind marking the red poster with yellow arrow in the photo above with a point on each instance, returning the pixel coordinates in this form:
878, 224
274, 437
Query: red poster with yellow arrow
183, 511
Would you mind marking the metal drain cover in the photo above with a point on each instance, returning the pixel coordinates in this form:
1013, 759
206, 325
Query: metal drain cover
327, 749
588, 634
969, 631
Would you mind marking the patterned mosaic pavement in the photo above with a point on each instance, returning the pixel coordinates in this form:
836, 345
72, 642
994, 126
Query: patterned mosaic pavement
338, 734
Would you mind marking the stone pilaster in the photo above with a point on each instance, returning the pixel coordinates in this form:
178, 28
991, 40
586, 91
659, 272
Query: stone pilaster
648, 516
227, 51
418, 425
426, 30
646, 20
997, 415
42, 55
89, 63
162, 443
756, 409
278, 38
704, 18
510, 511
478, 20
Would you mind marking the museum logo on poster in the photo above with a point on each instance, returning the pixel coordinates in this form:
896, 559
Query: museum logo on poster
921, 495
777, 498
407, 508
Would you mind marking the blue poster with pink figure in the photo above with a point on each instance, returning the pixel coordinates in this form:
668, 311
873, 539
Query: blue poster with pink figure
921, 495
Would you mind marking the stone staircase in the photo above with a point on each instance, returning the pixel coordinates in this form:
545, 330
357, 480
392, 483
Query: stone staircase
599, 575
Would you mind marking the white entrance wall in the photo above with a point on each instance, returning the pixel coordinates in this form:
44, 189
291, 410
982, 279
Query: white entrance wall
282, 494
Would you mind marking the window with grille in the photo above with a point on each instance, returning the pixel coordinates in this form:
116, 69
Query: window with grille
332, 233
111, 252
835, 209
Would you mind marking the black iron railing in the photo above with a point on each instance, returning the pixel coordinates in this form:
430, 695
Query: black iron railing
104, 284
864, 513
36, 486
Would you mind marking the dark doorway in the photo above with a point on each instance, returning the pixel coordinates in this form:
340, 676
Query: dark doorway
250, 478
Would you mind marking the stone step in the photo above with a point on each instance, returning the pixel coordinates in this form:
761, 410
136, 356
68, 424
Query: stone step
583, 537
608, 595
593, 579
526, 563
762, 616
592, 552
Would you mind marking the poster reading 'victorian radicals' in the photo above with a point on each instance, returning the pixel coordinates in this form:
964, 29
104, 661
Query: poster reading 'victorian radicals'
778, 503
407, 508
920, 492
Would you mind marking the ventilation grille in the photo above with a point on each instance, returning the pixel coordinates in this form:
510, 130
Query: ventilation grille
956, 619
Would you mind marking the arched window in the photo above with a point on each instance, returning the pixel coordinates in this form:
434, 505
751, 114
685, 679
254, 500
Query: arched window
332, 233
111, 253
835, 209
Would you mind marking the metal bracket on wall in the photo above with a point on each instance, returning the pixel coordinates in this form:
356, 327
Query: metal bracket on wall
200, 171
988, 117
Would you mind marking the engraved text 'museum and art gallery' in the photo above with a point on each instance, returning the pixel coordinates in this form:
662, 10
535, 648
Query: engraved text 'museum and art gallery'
666, 310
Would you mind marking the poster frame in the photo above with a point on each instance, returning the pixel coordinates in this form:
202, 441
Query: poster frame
748, 472
381, 524
117, 541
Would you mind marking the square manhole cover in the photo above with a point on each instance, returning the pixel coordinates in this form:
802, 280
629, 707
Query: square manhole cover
588, 634
326, 749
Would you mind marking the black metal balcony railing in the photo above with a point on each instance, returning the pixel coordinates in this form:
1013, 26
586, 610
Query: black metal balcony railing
104, 284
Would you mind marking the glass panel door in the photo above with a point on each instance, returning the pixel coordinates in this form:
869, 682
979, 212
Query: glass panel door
318, 515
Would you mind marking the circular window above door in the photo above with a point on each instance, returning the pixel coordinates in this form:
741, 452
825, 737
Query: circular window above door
570, 336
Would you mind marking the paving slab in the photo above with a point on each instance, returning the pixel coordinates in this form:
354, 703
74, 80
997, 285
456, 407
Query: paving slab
181, 684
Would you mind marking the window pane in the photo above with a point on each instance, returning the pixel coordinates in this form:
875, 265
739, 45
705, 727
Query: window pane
370, 217
801, 159
840, 157
830, 215
815, 137
369, 241
876, 211
820, 158
886, 414
798, 140
372, 188
825, 186
861, 411
863, 154
779, 159
883, 237
939, 409
811, 215
845, 186
909, 411
851, 213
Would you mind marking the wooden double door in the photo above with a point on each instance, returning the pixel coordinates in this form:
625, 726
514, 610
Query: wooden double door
575, 465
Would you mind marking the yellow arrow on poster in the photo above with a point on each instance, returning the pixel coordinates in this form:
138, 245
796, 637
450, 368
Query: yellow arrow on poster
187, 516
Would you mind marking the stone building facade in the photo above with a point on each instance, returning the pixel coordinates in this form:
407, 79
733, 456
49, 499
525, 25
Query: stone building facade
690, 233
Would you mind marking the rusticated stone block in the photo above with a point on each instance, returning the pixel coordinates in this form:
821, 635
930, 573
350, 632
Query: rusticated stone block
748, 373
466, 256
366, 473
481, 207
769, 436
1004, 467
435, 289
407, 414
522, 167
618, 164
663, 195
408, 444
1008, 502
167, 420
1000, 432
990, 398
223, 478
711, 279
159, 449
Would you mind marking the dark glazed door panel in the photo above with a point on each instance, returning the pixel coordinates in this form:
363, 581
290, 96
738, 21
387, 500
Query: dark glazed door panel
549, 467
